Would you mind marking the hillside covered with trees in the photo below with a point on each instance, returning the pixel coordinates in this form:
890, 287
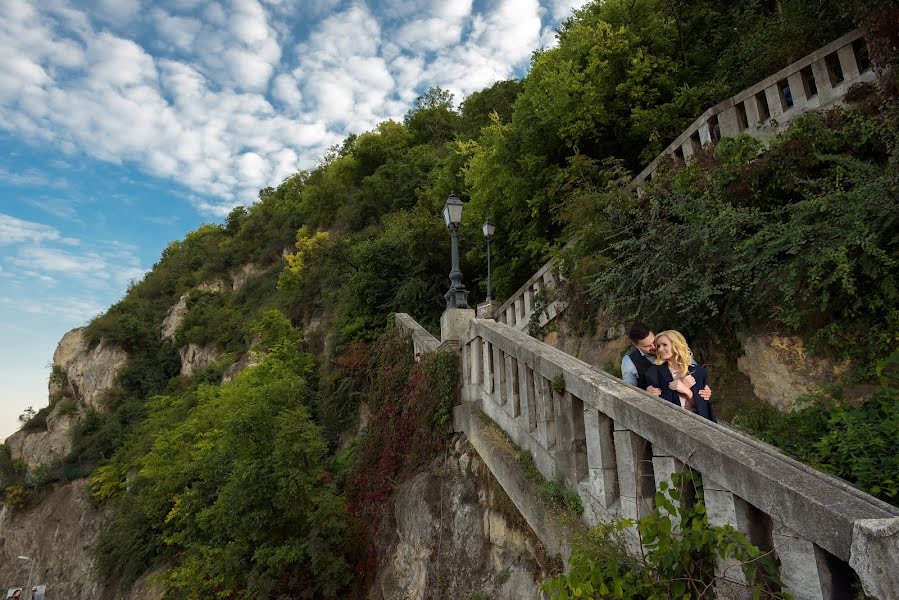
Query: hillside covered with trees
246, 488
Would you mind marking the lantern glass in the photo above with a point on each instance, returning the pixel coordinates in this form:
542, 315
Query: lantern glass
452, 210
489, 229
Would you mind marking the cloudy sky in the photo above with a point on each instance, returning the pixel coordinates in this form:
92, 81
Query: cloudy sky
127, 123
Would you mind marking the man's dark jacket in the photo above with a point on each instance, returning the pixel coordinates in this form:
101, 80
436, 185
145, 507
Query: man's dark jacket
659, 376
643, 365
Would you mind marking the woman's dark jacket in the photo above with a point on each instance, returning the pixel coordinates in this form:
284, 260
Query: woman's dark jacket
659, 376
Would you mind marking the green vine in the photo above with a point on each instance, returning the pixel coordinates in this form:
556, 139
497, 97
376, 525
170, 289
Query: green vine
679, 551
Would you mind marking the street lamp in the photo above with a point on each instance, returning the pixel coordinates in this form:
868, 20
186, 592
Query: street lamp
30, 573
457, 295
489, 229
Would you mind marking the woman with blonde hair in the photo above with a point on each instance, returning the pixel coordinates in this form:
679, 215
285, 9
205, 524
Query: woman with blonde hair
679, 380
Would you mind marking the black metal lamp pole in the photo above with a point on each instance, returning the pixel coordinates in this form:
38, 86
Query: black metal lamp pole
457, 295
489, 229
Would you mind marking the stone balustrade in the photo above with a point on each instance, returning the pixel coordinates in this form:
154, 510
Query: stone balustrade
615, 444
422, 341
819, 81
519, 309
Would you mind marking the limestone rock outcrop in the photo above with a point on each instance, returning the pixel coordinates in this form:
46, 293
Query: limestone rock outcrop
781, 369
43, 447
446, 538
195, 357
90, 372
85, 374
251, 358
173, 319
241, 275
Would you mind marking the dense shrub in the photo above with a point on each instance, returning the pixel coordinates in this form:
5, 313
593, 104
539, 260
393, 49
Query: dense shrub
680, 550
858, 443
801, 236
230, 480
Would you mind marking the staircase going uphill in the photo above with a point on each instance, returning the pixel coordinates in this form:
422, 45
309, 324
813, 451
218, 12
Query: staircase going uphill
616, 444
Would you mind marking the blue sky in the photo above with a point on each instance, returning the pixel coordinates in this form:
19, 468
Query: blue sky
127, 123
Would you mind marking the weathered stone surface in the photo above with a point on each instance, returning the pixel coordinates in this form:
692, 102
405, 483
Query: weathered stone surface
91, 372
454, 323
781, 369
251, 358
57, 535
174, 318
241, 275
875, 556
448, 539
71, 344
215, 285
43, 447
194, 357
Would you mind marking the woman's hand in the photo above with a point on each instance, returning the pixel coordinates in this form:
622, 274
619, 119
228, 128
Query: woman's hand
689, 381
680, 387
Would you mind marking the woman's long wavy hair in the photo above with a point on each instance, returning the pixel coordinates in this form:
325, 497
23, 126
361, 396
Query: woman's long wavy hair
683, 356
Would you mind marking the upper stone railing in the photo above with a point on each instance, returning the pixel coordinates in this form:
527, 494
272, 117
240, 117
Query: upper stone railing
615, 444
819, 81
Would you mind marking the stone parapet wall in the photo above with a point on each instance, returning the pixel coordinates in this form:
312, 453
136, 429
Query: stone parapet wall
818, 81
422, 341
616, 444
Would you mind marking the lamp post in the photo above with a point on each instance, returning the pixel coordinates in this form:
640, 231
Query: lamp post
30, 573
457, 295
489, 229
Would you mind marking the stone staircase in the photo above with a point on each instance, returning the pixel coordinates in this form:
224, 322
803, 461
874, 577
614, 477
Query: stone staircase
615, 444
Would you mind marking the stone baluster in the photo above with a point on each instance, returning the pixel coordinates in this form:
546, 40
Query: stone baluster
822, 81
636, 483
499, 377
526, 395
797, 90
476, 369
664, 467
804, 567
601, 456
488, 366
772, 94
724, 508
546, 421
848, 63
513, 407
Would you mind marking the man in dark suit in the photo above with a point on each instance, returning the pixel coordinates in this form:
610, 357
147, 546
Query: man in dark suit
636, 363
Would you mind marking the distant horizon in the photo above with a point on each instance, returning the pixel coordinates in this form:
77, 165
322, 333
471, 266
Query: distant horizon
129, 125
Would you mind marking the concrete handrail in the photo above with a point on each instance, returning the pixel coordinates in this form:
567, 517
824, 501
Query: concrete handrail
422, 341
616, 444
743, 113
815, 82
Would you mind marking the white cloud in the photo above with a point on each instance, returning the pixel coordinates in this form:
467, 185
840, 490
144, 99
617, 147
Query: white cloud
15, 231
209, 99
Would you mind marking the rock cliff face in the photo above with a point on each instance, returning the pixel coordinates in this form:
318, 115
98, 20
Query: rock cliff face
57, 535
241, 275
90, 372
781, 369
195, 357
452, 533
173, 319
86, 375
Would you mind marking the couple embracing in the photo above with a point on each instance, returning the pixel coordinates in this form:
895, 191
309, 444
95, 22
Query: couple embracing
663, 365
